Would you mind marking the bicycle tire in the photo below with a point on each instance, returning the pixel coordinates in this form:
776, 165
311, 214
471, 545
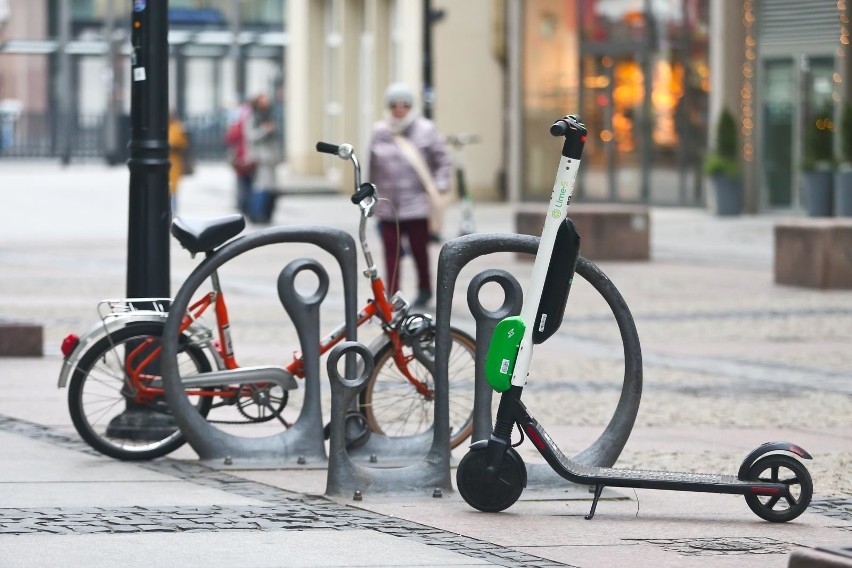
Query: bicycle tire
393, 407
95, 395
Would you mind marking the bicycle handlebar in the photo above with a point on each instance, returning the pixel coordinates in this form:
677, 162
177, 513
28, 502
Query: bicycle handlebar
366, 190
363, 191
459, 140
342, 151
326, 148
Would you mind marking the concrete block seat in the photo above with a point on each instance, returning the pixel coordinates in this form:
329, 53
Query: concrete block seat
814, 253
607, 231
21, 339
840, 557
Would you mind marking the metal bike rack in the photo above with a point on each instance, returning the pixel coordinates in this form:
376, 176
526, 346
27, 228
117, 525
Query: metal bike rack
304, 311
454, 256
486, 321
347, 478
305, 438
395, 451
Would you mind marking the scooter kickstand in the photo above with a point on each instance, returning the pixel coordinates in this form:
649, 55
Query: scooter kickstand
598, 490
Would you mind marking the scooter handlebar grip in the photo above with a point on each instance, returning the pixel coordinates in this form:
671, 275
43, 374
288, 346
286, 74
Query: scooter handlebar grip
559, 128
326, 148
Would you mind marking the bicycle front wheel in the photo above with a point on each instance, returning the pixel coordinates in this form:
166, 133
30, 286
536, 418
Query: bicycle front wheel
101, 394
394, 407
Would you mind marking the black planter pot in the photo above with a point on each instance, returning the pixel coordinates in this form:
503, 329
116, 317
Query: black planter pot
818, 189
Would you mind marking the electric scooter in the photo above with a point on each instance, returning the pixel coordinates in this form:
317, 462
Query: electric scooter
458, 142
492, 475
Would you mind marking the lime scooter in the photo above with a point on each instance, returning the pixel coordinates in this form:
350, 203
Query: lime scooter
491, 476
458, 142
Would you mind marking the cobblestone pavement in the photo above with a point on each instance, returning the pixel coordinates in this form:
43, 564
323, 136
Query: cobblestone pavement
284, 511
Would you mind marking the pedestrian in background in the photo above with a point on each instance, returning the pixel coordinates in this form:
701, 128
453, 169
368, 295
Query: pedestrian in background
178, 147
244, 166
410, 166
263, 148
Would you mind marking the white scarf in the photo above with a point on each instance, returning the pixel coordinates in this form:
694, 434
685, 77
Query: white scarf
400, 125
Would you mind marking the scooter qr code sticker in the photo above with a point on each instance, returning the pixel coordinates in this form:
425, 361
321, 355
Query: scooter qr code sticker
139, 74
504, 367
541, 324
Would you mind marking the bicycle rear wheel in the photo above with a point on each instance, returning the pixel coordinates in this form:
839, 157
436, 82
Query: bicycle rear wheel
393, 406
100, 395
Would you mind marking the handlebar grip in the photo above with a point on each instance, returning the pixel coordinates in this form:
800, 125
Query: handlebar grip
559, 128
326, 148
366, 190
563, 125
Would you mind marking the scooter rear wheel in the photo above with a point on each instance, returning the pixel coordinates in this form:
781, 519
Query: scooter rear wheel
778, 468
502, 492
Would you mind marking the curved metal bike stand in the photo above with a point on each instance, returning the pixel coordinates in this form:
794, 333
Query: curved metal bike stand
486, 321
345, 477
306, 436
394, 451
455, 255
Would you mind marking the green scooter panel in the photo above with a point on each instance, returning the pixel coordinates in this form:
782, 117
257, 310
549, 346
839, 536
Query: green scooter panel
503, 352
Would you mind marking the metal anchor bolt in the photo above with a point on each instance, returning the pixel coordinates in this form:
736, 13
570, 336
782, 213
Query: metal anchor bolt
228, 460
357, 496
437, 493
301, 460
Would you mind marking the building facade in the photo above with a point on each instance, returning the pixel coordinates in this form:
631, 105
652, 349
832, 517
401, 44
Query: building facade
649, 77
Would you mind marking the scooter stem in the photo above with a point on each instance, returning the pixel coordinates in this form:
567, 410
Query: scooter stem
560, 198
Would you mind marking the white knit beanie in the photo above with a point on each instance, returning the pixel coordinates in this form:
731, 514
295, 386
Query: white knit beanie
399, 93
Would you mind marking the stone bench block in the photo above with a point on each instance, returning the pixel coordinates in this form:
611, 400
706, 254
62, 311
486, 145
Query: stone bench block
21, 339
814, 253
607, 231
821, 558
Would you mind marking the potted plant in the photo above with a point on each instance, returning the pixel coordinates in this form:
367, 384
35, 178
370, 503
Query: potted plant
818, 166
843, 176
723, 168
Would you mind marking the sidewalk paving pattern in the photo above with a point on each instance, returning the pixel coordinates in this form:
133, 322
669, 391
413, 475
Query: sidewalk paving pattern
731, 360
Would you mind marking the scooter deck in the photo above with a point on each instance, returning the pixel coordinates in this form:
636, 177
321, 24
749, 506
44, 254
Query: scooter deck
639, 478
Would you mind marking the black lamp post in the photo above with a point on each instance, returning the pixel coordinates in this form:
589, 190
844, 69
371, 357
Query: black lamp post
149, 217
430, 17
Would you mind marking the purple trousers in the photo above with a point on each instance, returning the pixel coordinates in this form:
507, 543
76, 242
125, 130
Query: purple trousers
417, 232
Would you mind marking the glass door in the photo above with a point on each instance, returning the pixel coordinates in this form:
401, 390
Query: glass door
796, 100
777, 109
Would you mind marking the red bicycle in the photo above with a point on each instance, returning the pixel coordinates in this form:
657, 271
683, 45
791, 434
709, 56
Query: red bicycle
113, 371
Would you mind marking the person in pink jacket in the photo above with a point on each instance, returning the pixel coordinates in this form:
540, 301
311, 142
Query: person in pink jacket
407, 156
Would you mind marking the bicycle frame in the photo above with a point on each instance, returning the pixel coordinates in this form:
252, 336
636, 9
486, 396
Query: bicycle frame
142, 383
145, 388
379, 306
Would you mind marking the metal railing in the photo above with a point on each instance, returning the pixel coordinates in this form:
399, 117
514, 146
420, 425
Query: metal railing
37, 135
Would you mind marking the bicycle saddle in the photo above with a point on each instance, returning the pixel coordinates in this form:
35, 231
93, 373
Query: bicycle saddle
204, 235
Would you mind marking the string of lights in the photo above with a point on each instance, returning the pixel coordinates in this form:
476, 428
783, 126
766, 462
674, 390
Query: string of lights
747, 90
841, 49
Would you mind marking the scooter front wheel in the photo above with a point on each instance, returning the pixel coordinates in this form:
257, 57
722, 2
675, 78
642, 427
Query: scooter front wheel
778, 468
497, 495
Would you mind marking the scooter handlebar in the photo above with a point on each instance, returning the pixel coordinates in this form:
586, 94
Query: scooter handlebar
563, 125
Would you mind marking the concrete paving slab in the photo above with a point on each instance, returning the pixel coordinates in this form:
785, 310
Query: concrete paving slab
39, 474
294, 549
